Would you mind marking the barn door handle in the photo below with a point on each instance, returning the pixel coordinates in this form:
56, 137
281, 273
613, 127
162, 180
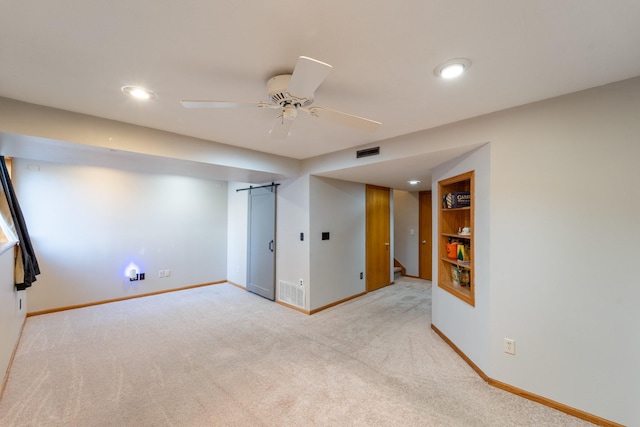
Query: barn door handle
271, 246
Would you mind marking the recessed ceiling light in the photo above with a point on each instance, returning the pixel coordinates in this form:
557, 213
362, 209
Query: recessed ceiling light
138, 92
452, 68
413, 182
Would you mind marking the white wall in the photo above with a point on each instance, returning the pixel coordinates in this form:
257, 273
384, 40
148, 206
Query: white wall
563, 227
88, 223
565, 232
468, 327
337, 207
237, 226
561, 238
38, 132
292, 218
292, 254
330, 270
406, 228
13, 308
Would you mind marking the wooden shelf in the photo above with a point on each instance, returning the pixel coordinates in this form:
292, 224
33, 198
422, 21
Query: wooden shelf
457, 236
450, 220
462, 264
466, 208
462, 292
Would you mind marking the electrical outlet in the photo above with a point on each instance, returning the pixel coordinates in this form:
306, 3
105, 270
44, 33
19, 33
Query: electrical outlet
510, 346
167, 273
301, 283
161, 274
141, 276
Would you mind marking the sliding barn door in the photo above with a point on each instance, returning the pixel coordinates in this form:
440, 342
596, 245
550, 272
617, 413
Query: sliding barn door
261, 256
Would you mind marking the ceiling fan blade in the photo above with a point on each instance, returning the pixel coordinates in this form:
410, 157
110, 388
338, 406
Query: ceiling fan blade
343, 118
225, 104
281, 128
307, 76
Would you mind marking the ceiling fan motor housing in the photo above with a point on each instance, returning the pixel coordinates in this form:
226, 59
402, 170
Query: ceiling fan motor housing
278, 94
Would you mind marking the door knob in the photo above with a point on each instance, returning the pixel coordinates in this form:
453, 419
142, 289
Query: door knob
424, 242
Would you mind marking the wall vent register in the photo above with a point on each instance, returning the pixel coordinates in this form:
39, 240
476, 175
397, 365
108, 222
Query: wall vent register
291, 294
366, 152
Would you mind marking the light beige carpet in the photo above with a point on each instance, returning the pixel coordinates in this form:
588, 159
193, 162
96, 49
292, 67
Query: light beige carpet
220, 356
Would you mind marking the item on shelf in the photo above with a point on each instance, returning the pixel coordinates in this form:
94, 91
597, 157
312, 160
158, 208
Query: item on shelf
455, 275
452, 250
465, 277
464, 231
462, 253
458, 199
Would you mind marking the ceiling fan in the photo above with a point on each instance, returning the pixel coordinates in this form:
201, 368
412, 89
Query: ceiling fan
290, 93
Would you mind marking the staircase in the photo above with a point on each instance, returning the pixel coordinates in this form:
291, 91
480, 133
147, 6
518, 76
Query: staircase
398, 268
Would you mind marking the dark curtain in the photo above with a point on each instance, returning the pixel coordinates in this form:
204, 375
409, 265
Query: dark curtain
26, 264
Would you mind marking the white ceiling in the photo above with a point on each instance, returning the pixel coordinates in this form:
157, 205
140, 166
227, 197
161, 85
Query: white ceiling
76, 55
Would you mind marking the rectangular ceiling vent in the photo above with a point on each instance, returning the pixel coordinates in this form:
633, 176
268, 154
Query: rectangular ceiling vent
368, 152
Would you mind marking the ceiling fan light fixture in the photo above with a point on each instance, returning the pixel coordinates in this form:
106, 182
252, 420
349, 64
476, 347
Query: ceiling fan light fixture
138, 92
452, 68
289, 112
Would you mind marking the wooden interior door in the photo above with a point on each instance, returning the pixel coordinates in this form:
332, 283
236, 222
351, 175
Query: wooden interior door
378, 231
425, 246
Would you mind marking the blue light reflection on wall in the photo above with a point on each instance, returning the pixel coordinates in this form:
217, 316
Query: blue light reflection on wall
131, 266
